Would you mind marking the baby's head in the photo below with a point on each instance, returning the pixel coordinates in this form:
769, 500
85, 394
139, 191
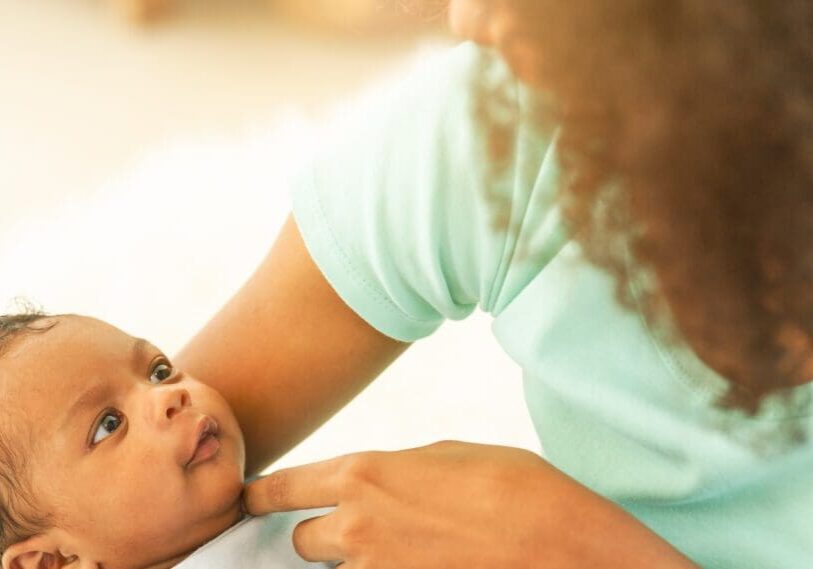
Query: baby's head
97, 430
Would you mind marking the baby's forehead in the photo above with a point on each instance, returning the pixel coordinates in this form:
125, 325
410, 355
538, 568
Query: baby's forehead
66, 336
43, 371
62, 352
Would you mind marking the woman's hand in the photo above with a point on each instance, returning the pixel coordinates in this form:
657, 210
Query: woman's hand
454, 504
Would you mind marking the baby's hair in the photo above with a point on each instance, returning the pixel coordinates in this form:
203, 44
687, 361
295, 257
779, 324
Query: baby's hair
18, 518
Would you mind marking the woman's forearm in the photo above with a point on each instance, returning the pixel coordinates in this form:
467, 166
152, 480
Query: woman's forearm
580, 528
286, 352
614, 538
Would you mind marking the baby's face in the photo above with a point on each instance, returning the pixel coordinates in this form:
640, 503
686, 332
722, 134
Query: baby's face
113, 427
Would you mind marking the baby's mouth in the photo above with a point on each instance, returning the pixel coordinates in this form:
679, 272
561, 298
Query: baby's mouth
205, 443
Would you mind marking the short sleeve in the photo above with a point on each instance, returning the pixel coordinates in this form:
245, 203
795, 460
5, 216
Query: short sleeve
402, 210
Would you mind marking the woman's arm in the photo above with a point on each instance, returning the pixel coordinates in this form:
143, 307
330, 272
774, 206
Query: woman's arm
454, 504
286, 352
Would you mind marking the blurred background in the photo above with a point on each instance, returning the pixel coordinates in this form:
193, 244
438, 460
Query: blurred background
145, 152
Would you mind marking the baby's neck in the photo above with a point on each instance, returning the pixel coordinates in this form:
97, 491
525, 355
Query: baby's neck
169, 563
177, 559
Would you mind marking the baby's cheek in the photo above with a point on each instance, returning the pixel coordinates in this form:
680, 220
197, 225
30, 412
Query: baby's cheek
147, 511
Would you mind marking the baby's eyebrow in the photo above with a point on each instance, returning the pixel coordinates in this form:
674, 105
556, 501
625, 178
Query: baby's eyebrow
90, 397
100, 390
138, 350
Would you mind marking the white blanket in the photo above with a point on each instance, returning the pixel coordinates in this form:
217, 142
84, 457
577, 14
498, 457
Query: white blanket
254, 543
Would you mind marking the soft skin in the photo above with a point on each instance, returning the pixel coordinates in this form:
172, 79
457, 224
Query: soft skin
113, 474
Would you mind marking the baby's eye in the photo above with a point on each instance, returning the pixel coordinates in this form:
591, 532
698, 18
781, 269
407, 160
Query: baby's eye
109, 423
161, 372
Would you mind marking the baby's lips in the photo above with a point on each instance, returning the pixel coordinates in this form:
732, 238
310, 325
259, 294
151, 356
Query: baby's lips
205, 426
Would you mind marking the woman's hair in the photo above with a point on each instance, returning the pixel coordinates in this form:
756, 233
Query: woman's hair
685, 134
19, 519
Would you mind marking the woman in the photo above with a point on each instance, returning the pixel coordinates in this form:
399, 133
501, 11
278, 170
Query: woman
633, 212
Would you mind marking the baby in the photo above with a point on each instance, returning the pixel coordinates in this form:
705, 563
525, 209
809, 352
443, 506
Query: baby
135, 464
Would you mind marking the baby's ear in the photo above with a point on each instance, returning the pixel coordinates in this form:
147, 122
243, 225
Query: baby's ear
37, 552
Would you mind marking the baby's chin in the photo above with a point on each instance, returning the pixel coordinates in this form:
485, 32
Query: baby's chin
223, 521
211, 504
223, 508
190, 536
212, 488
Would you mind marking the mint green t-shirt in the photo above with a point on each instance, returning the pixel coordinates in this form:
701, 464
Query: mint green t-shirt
398, 212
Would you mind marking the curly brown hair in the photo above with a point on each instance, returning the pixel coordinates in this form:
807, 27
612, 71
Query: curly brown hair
686, 139
19, 519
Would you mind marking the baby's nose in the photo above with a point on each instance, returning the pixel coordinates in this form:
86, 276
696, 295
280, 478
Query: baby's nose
171, 401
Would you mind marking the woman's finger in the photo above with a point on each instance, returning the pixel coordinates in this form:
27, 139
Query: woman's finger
317, 539
297, 488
